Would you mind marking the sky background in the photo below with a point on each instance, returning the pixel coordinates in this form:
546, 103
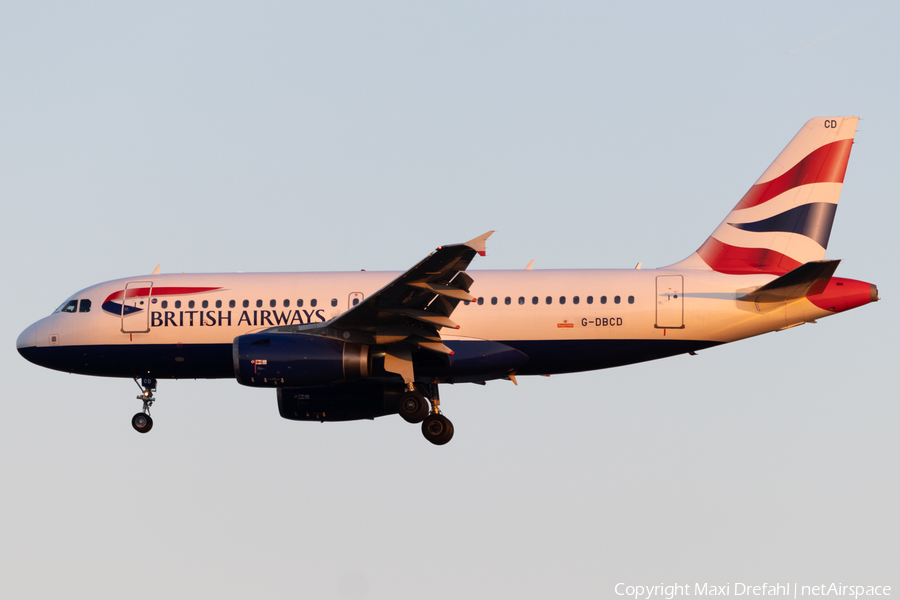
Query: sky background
293, 136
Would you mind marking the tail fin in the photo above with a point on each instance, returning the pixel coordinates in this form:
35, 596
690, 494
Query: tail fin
785, 219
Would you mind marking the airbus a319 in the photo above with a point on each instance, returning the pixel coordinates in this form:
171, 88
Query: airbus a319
360, 345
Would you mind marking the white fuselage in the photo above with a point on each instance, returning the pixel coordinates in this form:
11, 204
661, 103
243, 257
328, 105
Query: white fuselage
545, 306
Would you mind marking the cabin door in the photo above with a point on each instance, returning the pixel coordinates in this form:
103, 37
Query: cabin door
136, 307
670, 302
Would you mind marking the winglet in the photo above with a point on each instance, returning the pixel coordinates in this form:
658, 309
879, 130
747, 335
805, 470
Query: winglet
478, 244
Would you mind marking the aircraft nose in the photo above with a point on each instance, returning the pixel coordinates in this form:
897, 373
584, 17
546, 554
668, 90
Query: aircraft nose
28, 338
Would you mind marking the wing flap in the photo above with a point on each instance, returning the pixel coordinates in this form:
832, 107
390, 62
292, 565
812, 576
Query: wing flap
423, 315
443, 290
430, 344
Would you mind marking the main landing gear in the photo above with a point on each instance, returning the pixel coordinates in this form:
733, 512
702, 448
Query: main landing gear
142, 422
414, 408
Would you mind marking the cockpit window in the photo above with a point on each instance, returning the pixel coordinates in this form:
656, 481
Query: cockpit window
70, 306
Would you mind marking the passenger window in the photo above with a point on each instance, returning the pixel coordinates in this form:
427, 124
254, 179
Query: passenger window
576, 300
190, 304
218, 304
334, 301
356, 301
549, 300
313, 302
246, 304
521, 299
231, 304
630, 299
562, 299
602, 299
205, 304
164, 304
534, 299
259, 304
85, 306
617, 299
287, 303
480, 301
272, 303
590, 299
508, 301
299, 303
494, 300
466, 302
178, 304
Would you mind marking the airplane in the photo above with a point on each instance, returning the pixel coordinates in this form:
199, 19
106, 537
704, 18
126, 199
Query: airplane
361, 345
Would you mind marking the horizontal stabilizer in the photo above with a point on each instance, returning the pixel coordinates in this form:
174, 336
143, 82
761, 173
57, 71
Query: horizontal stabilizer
806, 280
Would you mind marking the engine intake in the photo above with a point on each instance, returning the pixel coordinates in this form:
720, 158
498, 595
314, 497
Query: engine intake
297, 360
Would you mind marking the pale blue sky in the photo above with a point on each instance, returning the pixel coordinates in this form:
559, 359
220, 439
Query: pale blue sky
338, 136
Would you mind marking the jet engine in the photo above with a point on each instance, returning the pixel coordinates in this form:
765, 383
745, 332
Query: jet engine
297, 360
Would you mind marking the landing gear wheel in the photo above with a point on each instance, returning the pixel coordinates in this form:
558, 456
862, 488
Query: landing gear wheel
413, 407
437, 429
141, 422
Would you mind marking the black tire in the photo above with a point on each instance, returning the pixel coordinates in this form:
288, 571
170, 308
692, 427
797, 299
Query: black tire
437, 429
413, 407
142, 423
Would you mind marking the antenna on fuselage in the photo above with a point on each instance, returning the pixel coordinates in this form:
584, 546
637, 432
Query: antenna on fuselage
156, 270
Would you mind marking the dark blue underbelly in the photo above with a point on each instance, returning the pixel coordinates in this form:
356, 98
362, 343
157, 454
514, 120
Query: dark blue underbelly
214, 361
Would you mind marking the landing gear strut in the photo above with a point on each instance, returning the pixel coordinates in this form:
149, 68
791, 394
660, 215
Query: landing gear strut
436, 428
142, 422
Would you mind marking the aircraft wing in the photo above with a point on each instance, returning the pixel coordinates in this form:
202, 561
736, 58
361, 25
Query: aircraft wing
413, 307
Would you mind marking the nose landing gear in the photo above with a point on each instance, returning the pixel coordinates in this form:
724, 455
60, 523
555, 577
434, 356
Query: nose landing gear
142, 422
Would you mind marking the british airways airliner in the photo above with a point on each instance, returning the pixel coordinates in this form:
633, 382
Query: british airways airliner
345, 346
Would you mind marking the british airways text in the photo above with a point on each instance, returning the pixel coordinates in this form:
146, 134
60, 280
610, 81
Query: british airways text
220, 318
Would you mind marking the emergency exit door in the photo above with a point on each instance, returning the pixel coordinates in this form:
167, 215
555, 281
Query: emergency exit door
354, 299
670, 302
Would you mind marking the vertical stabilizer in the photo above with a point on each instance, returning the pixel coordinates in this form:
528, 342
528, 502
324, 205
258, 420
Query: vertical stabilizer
785, 219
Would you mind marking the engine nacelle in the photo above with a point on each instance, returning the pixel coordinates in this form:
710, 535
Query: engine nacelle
297, 360
341, 402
